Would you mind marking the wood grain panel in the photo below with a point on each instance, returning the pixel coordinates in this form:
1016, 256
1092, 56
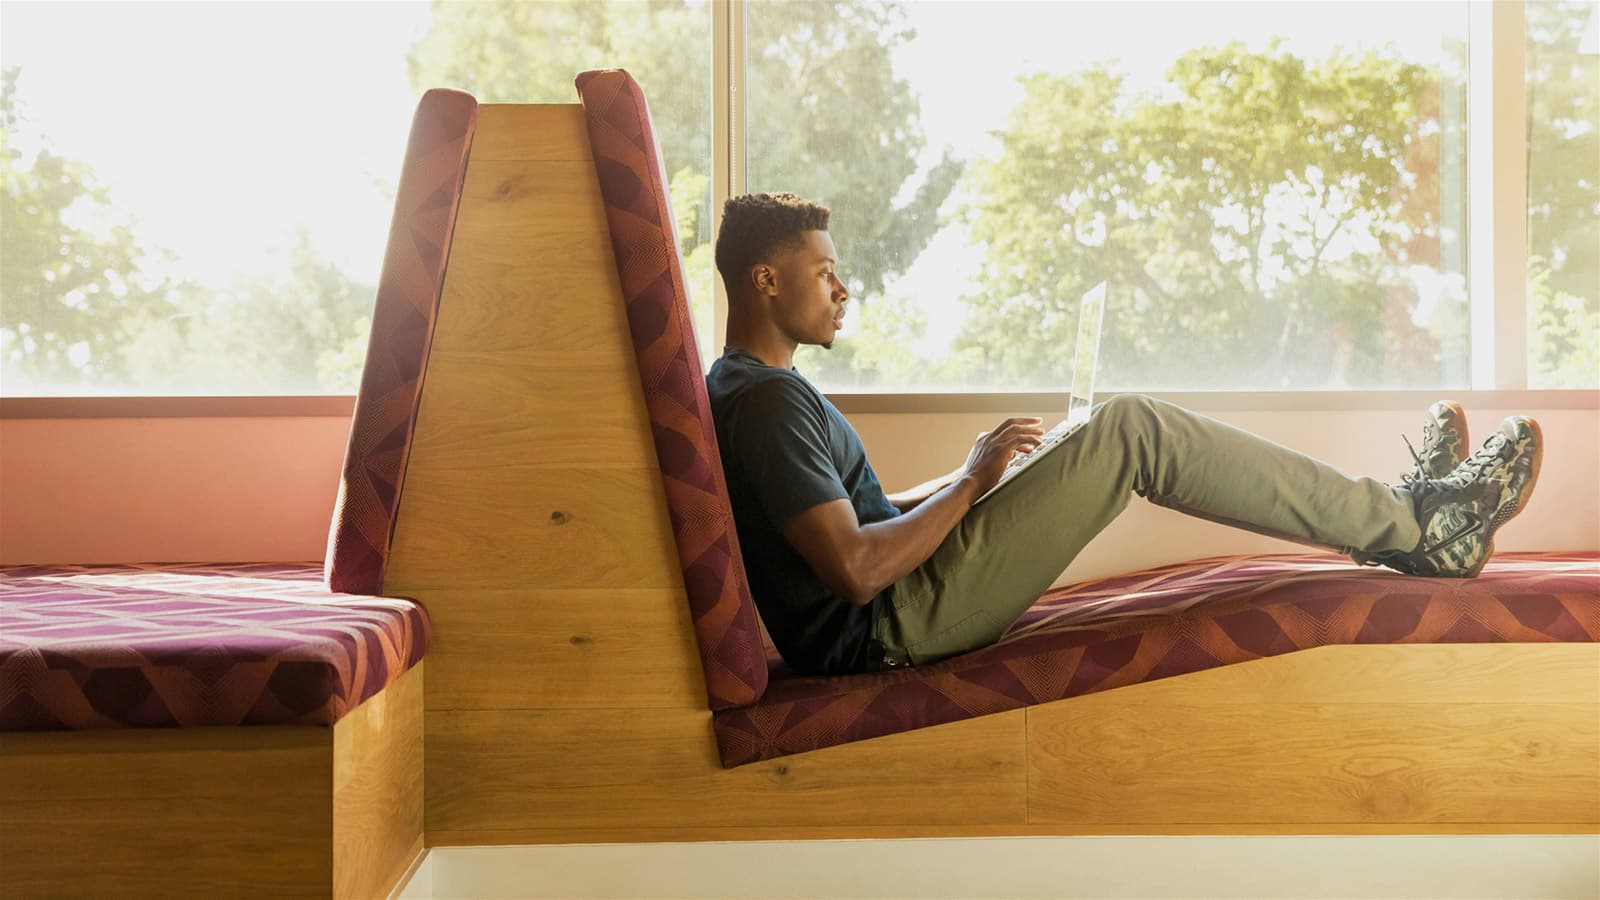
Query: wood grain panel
526, 199
532, 408
496, 298
652, 768
1336, 762
1422, 734
532, 648
1395, 673
553, 131
203, 812
377, 789
531, 525
531, 264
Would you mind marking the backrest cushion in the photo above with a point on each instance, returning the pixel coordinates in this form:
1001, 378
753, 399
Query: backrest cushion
633, 183
402, 331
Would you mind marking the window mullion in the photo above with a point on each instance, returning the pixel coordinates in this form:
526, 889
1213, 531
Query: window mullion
727, 131
1498, 200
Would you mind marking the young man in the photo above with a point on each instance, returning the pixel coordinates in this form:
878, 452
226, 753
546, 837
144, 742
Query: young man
849, 579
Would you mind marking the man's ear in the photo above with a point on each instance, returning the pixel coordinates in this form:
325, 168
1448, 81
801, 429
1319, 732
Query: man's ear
765, 279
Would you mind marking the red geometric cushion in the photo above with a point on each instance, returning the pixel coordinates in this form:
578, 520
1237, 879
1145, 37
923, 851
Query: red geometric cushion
402, 331
180, 645
633, 183
1168, 621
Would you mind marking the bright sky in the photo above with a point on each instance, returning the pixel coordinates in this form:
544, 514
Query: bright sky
220, 126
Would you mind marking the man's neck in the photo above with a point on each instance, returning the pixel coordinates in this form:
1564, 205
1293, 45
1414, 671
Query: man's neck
764, 343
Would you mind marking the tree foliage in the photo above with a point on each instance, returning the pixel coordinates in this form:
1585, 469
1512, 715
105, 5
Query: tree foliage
826, 117
1264, 217
1563, 199
80, 308
1215, 213
72, 295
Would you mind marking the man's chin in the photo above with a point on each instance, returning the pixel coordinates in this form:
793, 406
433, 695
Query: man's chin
826, 345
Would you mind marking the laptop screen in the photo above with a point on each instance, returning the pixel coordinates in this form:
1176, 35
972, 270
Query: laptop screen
1086, 359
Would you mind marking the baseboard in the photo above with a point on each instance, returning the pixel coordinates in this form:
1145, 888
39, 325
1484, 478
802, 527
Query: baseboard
1549, 867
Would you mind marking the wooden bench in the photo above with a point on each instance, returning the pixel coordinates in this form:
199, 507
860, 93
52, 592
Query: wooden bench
531, 460
206, 730
598, 672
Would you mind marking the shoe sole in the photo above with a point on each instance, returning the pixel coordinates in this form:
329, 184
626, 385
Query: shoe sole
1502, 516
1456, 412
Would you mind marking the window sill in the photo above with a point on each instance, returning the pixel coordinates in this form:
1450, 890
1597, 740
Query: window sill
343, 405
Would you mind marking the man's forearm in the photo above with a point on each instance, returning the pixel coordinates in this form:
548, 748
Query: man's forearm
889, 550
909, 499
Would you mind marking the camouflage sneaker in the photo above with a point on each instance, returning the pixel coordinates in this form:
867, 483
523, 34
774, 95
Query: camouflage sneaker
1444, 442
1460, 512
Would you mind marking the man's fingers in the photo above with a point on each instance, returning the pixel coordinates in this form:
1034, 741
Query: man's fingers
1019, 428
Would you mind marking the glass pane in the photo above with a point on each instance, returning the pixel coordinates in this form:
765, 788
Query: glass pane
1563, 63
212, 220
1275, 193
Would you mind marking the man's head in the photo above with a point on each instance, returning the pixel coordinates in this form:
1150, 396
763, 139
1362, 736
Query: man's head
779, 264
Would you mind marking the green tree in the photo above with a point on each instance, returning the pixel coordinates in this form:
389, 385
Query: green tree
72, 295
301, 330
1563, 199
826, 116
510, 51
77, 309
1213, 212
828, 119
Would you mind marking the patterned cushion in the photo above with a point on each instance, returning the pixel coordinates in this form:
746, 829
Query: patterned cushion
161, 646
397, 352
627, 160
1170, 621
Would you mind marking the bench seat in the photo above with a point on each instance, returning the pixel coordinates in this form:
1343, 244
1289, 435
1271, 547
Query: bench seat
1114, 632
1167, 621
183, 645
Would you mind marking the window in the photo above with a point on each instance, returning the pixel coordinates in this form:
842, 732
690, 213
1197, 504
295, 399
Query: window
1274, 194
212, 217
1563, 96
1277, 194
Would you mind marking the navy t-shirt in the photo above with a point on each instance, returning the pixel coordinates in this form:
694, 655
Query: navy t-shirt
786, 449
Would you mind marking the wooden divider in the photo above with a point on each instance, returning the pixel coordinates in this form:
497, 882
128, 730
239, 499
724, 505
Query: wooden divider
267, 811
566, 702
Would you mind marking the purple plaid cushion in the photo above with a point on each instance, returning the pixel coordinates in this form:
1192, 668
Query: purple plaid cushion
170, 645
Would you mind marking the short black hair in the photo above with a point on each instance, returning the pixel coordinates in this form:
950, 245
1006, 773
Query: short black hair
754, 226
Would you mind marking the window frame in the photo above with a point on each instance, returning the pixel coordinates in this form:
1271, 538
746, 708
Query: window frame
1496, 90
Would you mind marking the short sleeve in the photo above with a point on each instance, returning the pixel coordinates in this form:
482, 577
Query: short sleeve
782, 446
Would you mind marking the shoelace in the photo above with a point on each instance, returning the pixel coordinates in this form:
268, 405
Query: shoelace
1467, 472
1421, 472
1474, 465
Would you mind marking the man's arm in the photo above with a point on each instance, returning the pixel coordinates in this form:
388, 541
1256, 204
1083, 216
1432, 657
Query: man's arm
908, 499
855, 561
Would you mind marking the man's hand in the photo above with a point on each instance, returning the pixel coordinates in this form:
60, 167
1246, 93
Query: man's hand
857, 561
994, 450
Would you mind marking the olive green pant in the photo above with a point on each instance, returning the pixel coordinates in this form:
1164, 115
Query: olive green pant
1008, 550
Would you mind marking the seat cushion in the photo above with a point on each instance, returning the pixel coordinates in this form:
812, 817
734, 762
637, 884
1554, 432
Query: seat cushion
1169, 621
162, 646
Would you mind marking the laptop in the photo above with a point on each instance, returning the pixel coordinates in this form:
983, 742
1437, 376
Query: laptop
1080, 399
